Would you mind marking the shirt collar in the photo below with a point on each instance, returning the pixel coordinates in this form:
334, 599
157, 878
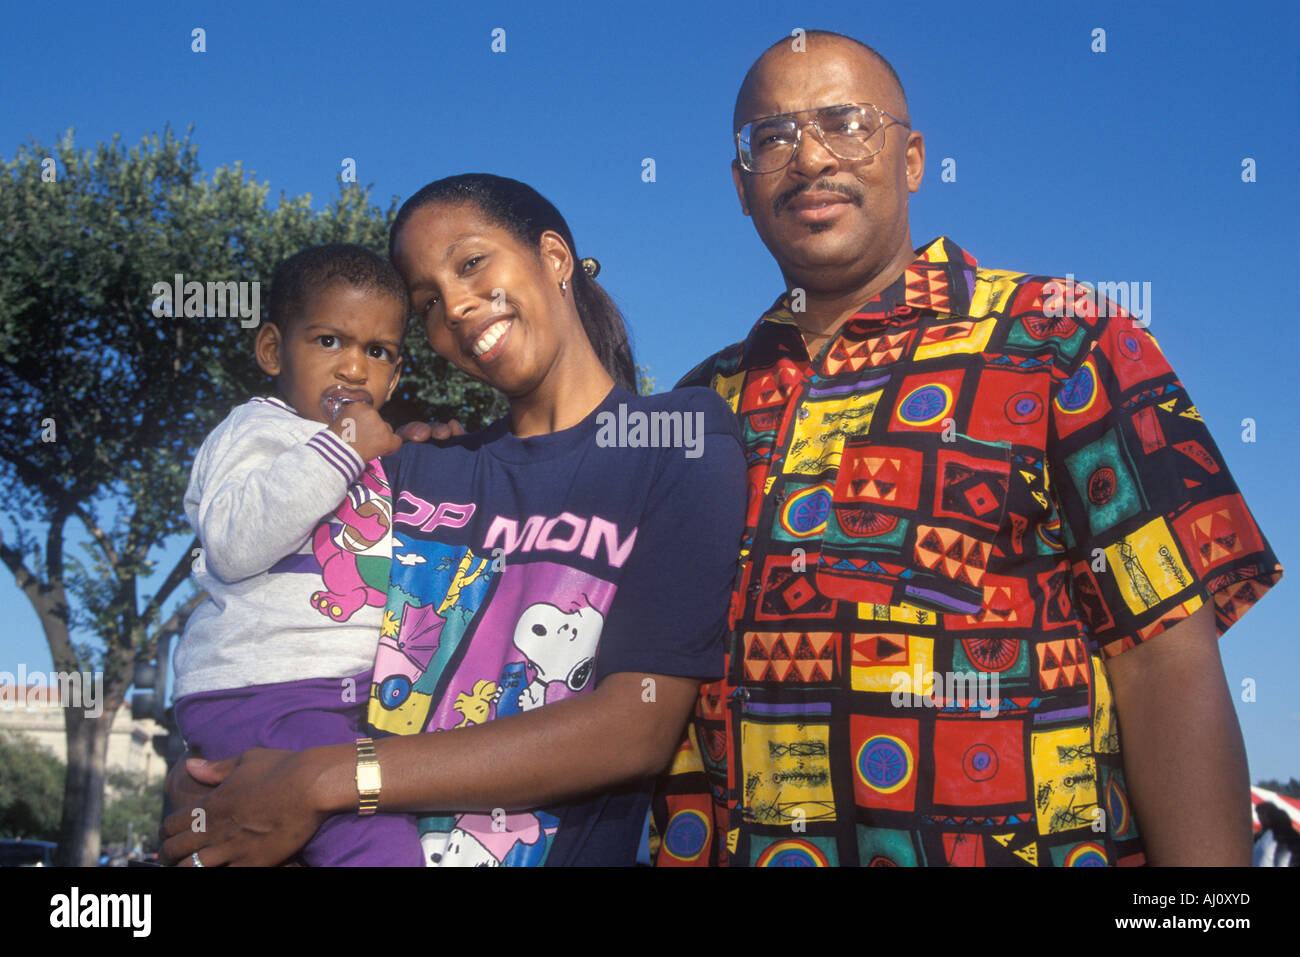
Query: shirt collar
277, 402
940, 279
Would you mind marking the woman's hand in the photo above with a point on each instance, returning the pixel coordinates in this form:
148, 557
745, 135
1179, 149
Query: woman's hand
259, 816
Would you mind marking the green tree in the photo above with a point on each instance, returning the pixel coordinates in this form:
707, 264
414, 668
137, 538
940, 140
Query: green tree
103, 403
133, 813
31, 789
646, 384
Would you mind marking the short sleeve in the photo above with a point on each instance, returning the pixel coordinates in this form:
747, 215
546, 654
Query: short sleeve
670, 616
1153, 519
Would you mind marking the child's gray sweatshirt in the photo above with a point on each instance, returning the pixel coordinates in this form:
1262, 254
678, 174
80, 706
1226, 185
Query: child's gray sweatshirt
295, 536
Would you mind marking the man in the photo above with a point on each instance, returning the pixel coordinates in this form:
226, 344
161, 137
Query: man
967, 489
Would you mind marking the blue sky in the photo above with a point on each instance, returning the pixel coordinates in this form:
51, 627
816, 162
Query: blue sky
1117, 166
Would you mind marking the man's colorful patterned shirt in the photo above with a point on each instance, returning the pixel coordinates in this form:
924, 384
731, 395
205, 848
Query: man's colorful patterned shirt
979, 488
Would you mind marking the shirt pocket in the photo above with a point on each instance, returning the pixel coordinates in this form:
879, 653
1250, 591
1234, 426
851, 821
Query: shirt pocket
914, 521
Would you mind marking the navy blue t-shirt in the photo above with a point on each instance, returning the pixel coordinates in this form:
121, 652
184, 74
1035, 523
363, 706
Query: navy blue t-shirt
525, 570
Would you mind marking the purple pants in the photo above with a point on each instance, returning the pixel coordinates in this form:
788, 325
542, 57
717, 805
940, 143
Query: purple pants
292, 716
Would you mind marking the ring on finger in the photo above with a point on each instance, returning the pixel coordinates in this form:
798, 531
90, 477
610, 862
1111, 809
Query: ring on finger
194, 859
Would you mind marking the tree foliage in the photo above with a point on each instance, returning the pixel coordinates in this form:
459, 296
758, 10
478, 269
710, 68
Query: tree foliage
133, 814
31, 789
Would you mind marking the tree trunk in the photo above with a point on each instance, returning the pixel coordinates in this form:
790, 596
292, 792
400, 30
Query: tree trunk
83, 794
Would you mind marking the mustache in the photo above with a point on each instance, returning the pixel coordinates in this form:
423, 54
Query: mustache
853, 195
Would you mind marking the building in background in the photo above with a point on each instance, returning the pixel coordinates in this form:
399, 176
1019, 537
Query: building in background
34, 711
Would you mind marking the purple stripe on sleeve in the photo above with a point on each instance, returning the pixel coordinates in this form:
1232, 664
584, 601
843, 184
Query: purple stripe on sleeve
336, 457
353, 460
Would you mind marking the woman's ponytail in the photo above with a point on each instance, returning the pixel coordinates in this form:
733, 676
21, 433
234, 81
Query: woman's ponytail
605, 327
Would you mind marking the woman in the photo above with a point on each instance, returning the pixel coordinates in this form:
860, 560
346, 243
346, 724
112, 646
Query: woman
560, 580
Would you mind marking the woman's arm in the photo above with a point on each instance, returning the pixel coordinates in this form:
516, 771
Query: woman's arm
272, 802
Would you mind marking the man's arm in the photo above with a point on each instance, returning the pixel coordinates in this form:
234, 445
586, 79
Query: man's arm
1184, 758
271, 802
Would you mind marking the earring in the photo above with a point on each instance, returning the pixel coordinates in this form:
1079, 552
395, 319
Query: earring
564, 284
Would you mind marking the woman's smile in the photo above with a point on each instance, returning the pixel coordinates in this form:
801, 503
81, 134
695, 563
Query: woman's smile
491, 342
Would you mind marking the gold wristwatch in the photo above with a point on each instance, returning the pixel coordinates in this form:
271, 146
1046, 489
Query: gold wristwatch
368, 783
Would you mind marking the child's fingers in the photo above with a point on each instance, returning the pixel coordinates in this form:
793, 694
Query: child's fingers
209, 772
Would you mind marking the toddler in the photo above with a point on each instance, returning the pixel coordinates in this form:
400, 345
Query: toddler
295, 529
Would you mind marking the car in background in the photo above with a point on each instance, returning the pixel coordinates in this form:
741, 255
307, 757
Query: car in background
16, 853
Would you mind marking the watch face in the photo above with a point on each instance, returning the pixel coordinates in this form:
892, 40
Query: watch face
368, 778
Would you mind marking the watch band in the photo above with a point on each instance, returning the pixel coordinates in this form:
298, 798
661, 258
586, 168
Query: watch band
368, 781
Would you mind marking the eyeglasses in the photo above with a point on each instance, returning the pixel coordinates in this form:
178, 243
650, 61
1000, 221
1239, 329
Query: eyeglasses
852, 131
